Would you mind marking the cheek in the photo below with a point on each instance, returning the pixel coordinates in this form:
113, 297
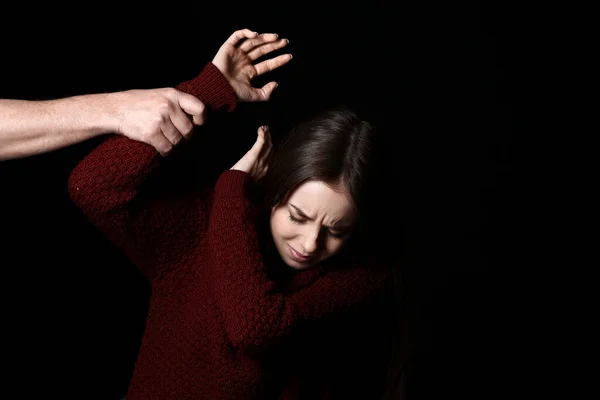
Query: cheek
282, 226
334, 245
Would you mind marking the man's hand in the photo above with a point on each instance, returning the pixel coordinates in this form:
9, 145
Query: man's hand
158, 117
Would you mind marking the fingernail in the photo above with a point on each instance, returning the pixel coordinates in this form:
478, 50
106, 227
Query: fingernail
287, 41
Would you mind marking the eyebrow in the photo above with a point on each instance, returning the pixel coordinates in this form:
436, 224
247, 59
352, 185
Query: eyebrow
303, 215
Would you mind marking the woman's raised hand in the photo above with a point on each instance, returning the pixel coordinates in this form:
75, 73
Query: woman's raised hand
235, 61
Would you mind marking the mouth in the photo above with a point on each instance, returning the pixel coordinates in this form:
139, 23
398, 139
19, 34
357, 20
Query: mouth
299, 257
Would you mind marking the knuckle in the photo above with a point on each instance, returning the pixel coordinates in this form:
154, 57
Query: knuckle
152, 130
166, 149
164, 118
164, 107
170, 91
188, 128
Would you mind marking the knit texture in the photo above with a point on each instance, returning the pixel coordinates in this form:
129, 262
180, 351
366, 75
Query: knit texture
214, 312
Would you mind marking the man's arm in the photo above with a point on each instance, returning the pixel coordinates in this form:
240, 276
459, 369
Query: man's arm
158, 117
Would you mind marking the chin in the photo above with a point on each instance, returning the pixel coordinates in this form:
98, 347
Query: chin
298, 265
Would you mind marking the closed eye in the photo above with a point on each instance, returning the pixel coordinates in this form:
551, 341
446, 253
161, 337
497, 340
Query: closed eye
296, 220
337, 234
301, 221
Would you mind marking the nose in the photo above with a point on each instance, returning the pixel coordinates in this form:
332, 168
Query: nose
311, 241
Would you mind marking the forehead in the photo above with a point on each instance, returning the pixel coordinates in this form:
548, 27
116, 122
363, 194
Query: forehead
318, 198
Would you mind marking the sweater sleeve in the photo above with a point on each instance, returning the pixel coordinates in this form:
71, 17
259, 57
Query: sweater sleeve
107, 185
253, 311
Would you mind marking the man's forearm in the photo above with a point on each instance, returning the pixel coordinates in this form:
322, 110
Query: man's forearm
33, 127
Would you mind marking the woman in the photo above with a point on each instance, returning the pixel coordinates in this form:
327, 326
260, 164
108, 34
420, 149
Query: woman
233, 286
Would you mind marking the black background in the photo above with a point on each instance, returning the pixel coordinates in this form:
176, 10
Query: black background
441, 79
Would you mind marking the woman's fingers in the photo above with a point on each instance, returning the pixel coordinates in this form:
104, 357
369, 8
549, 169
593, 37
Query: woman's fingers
266, 48
249, 44
239, 35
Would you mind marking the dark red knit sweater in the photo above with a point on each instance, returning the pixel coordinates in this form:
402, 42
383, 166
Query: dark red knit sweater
213, 308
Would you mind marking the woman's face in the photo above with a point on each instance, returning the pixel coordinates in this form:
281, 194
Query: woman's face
313, 224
